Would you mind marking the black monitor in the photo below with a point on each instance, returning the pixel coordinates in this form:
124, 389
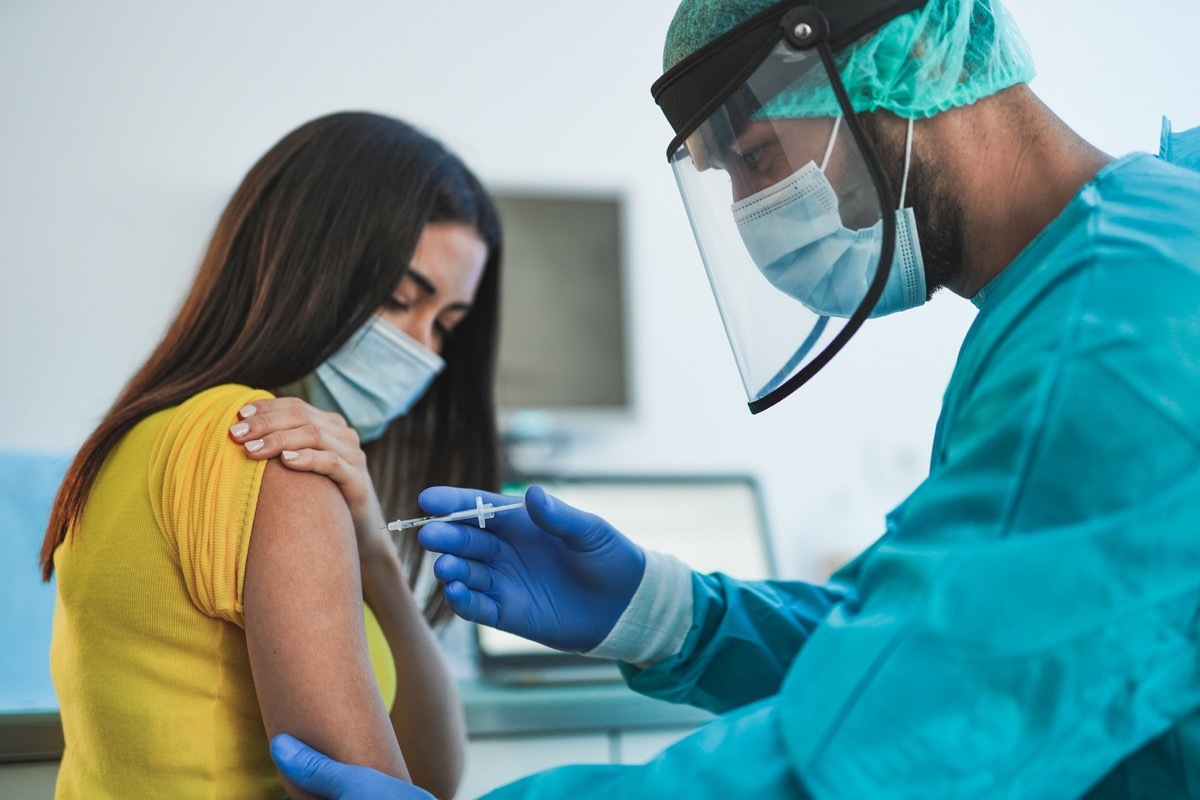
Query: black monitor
563, 341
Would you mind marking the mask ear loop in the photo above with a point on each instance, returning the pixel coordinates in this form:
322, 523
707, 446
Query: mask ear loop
837, 123
907, 164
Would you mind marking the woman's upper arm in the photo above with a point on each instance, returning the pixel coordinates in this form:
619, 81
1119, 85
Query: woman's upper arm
304, 625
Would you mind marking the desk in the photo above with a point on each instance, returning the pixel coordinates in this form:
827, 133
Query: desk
517, 731
513, 731
547, 710
491, 711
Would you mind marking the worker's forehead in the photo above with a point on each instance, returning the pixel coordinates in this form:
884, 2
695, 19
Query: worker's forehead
803, 140
806, 131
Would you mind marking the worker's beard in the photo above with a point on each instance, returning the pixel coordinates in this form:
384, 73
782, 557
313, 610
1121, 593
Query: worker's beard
938, 214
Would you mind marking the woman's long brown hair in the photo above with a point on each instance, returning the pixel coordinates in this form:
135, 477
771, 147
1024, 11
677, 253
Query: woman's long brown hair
313, 241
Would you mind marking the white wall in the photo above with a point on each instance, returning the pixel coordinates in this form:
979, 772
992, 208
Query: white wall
125, 125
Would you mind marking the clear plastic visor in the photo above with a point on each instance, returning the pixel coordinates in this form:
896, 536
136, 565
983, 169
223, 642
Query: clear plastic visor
787, 217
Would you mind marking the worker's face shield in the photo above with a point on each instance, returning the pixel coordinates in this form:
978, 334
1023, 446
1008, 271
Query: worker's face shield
786, 200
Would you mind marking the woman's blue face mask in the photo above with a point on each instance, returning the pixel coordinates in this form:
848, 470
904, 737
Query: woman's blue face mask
374, 378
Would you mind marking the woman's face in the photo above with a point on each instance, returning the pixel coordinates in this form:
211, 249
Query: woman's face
436, 293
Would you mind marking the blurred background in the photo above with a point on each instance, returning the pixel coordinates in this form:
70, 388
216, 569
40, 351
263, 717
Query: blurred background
126, 125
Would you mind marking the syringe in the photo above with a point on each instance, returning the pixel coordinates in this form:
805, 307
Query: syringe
481, 512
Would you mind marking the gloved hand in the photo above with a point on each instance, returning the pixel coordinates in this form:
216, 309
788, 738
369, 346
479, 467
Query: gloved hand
548, 572
321, 775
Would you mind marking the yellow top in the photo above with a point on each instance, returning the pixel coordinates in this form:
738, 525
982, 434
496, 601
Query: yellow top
149, 653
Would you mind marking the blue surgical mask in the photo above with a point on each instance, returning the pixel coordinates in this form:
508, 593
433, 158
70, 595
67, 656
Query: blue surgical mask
795, 235
374, 378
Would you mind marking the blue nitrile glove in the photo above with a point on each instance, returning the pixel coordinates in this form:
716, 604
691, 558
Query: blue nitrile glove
322, 776
548, 572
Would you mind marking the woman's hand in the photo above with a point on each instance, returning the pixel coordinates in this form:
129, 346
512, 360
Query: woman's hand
307, 439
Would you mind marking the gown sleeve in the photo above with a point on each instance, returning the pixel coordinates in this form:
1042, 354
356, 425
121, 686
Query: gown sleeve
743, 638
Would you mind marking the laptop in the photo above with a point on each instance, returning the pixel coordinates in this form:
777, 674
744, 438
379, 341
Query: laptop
712, 523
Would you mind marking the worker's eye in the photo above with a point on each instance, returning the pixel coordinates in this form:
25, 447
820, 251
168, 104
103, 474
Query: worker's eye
753, 158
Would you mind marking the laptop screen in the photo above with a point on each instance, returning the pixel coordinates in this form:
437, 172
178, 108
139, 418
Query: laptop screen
712, 524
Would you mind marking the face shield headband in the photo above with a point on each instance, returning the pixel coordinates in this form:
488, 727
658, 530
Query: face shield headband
722, 80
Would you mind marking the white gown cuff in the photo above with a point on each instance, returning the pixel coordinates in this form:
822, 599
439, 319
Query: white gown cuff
658, 617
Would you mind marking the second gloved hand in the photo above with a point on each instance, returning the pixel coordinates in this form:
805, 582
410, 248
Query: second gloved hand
550, 572
317, 773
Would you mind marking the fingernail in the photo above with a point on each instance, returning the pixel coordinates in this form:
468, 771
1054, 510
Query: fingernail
289, 455
241, 429
247, 411
254, 446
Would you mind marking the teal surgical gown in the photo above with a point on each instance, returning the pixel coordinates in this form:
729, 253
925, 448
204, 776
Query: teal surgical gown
1028, 626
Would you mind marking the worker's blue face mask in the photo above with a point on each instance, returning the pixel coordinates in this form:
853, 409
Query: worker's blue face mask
795, 235
374, 378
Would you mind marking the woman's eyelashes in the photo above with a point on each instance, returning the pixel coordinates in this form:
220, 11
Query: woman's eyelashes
443, 330
397, 303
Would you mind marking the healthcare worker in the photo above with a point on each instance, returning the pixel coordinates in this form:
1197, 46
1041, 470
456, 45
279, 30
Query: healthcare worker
1028, 625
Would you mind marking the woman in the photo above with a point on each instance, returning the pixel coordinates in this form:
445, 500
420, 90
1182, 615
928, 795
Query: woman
210, 594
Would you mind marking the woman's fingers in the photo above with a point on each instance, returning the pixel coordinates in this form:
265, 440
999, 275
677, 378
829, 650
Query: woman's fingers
268, 435
286, 413
261, 444
323, 462
273, 405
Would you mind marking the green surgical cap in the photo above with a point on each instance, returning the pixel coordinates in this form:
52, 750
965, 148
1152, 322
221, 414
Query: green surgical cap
950, 53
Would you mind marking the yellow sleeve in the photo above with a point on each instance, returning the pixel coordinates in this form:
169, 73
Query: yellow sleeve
204, 491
